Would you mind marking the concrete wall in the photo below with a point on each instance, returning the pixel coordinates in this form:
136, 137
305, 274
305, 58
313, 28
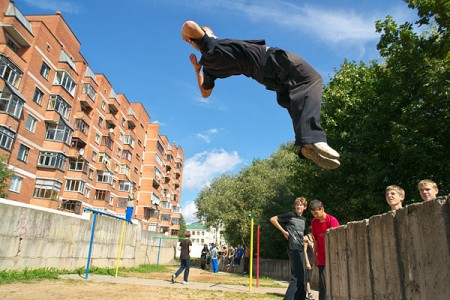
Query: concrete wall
36, 237
396, 255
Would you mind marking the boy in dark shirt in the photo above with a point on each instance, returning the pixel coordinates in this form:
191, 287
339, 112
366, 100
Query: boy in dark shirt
297, 84
292, 226
185, 257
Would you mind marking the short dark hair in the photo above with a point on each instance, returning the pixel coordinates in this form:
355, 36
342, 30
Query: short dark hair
187, 234
315, 205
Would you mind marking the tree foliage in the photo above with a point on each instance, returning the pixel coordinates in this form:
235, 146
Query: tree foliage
5, 175
388, 119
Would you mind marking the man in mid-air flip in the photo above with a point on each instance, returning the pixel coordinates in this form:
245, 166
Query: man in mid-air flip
297, 84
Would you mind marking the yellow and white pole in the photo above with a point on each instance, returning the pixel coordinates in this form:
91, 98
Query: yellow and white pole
120, 247
251, 254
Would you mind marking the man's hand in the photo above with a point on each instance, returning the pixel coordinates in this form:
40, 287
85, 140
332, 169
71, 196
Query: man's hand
194, 62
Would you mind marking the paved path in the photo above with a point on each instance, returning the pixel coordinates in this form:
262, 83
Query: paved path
191, 285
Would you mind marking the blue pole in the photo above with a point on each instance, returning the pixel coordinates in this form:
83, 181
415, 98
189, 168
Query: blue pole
90, 244
159, 249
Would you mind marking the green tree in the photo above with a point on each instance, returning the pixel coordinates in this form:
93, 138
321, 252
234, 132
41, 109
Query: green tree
182, 230
5, 175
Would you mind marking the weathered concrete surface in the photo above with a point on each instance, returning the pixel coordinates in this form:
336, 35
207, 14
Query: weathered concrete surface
35, 237
396, 255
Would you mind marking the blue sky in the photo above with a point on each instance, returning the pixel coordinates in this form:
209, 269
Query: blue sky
138, 46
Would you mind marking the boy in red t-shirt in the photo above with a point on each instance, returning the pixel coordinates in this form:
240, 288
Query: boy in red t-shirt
319, 225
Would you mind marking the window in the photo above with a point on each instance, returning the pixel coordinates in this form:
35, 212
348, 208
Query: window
6, 138
127, 155
71, 205
82, 126
152, 227
52, 160
104, 176
90, 173
165, 217
159, 160
101, 195
12, 44
37, 96
122, 202
58, 133
45, 70
125, 186
47, 189
63, 79
78, 164
124, 169
89, 90
16, 182
10, 72
160, 148
10, 103
94, 155
138, 157
165, 204
87, 192
57, 103
97, 138
103, 105
105, 159
129, 140
107, 141
31, 123
176, 221
73, 185
23, 153
100, 122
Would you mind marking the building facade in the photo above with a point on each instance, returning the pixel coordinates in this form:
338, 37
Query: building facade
70, 139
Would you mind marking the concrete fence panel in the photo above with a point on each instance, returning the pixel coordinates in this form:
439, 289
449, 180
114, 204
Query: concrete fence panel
397, 255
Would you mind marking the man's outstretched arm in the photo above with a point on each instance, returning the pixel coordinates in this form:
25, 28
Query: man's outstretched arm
192, 31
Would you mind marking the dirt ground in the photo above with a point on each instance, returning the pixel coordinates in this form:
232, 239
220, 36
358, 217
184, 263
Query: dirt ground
203, 285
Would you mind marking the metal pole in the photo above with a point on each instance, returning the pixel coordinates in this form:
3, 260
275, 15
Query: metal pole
257, 255
120, 248
251, 255
94, 221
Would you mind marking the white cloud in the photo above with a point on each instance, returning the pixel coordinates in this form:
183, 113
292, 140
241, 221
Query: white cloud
207, 135
332, 25
200, 169
55, 5
189, 211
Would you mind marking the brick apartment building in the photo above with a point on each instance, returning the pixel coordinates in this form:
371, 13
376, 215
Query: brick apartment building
71, 141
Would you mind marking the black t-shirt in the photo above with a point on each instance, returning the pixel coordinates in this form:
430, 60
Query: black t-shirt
223, 58
184, 244
295, 226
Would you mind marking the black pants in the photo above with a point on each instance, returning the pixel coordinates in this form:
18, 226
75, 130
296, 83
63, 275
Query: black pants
299, 90
322, 284
297, 286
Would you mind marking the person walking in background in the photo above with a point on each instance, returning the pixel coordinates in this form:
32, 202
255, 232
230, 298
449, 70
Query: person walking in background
203, 256
239, 254
319, 226
309, 250
292, 226
297, 84
428, 189
214, 259
185, 257
394, 197
246, 259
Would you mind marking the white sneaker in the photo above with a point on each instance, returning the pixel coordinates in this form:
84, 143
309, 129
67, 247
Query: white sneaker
185, 282
320, 160
323, 149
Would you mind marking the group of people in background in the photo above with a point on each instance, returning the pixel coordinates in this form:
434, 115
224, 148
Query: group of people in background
219, 256
306, 251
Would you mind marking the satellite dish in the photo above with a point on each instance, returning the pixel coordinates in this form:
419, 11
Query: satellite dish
81, 151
